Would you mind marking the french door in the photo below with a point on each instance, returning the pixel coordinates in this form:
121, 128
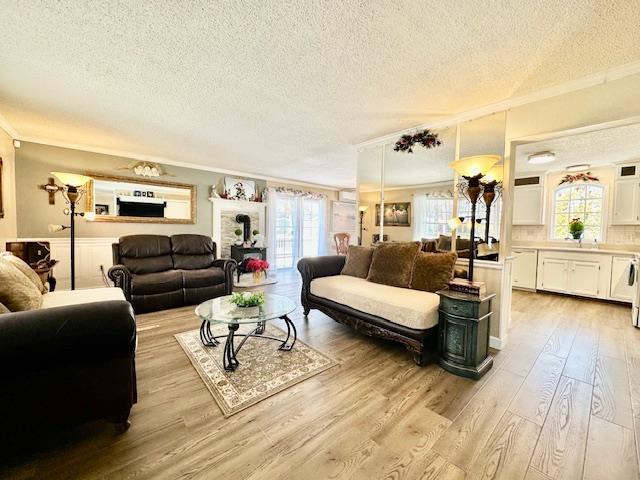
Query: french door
298, 231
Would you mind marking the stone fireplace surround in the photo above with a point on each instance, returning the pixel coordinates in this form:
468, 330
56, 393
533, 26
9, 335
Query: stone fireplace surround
224, 221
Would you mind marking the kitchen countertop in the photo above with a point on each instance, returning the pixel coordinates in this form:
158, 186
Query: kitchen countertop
584, 249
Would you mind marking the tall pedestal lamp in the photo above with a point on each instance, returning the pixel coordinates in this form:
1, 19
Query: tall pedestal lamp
72, 192
491, 183
472, 169
361, 210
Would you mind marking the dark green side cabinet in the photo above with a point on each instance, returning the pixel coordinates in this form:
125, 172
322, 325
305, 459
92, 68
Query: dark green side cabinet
463, 333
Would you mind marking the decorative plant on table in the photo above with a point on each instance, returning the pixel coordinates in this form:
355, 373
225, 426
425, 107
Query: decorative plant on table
238, 232
576, 228
258, 267
247, 299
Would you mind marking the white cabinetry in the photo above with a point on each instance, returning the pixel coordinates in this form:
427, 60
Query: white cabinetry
584, 278
554, 275
528, 205
620, 289
525, 264
576, 273
626, 202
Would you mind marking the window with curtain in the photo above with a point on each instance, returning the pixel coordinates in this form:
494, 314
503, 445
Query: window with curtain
586, 202
300, 229
431, 216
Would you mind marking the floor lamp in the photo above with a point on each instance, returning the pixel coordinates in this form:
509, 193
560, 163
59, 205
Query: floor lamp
490, 183
72, 192
472, 169
361, 209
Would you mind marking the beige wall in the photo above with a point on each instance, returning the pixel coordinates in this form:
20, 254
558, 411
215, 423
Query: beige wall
35, 161
8, 223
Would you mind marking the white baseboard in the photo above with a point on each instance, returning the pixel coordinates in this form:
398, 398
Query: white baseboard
497, 343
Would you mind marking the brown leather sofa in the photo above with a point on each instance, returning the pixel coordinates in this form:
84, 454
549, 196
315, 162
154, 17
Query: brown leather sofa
66, 365
157, 272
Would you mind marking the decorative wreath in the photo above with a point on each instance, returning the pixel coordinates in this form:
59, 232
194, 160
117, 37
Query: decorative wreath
585, 177
424, 138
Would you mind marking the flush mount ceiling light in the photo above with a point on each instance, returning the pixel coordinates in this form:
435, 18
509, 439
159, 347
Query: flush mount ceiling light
541, 157
578, 167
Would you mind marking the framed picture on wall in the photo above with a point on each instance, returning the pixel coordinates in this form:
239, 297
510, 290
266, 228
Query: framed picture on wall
343, 217
102, 209
239, 188
396, 214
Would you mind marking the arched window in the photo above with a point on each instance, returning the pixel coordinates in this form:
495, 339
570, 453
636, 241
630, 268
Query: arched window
584, 201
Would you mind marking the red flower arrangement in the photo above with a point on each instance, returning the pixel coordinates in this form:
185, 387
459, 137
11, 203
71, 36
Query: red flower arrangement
257, 265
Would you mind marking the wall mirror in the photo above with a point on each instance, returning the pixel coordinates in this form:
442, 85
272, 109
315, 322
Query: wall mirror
369, 175
123, 199
485, 135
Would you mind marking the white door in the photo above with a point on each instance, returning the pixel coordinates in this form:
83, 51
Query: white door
528, 205
584, 278
554, 275
525, 264
625, 202
620, 288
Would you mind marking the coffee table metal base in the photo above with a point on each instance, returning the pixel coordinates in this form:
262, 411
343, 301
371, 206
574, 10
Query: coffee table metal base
229, 356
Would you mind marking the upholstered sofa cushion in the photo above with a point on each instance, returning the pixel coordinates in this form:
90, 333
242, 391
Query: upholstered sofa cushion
192, 252
358, 261
3, 309
63, 298
432, 271
403, 306
24, 268
145, 253
159, 282
17, 292
392, 263
206, 277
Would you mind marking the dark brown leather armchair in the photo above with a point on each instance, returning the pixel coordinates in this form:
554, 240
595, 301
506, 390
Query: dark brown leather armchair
67, 365
157, 272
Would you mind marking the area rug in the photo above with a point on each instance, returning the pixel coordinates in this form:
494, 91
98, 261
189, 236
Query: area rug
264, 370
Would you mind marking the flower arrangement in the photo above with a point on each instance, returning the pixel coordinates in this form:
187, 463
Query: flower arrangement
576, 228
247, 299
257, 265
425, 138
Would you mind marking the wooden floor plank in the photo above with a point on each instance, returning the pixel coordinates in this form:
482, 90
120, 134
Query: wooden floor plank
581, 362
507, 453
534, 397
560, 451
611, 398
468, 433
611, 452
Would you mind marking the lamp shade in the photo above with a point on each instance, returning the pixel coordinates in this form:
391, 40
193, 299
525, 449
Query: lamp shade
454, 222
363, 208
474, 166
72, 179
495, 174
55, 228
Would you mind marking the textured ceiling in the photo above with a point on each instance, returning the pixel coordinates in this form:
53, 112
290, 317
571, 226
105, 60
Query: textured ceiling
602, 147
283, 88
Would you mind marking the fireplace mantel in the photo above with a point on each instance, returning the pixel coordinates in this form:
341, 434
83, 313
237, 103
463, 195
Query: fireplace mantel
222, 205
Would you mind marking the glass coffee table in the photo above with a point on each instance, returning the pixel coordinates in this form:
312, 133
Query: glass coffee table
221, 310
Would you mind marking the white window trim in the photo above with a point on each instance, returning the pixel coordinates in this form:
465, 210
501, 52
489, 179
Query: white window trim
605, 209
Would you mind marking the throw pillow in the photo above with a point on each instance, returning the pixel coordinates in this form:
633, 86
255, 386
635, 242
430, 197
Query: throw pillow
358, 261
392, 263
17, 292
432, 271
4, 309
26, 269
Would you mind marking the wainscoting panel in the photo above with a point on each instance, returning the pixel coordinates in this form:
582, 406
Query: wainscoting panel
91, 253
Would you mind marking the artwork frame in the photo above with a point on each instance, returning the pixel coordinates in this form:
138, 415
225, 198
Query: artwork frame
239, 189
101, 209
396, 214
343, 217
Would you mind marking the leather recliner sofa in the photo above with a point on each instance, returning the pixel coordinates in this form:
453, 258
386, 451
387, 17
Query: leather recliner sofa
158, 272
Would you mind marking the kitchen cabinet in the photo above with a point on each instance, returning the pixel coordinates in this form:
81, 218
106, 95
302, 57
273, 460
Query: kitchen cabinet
584, 278
626, 202
554, 275
525, 265
620, 289
528, 205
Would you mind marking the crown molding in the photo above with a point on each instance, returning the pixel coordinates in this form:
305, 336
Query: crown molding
7, 127
592, 80
175, 163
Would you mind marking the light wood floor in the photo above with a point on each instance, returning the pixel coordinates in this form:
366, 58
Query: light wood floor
562, 402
